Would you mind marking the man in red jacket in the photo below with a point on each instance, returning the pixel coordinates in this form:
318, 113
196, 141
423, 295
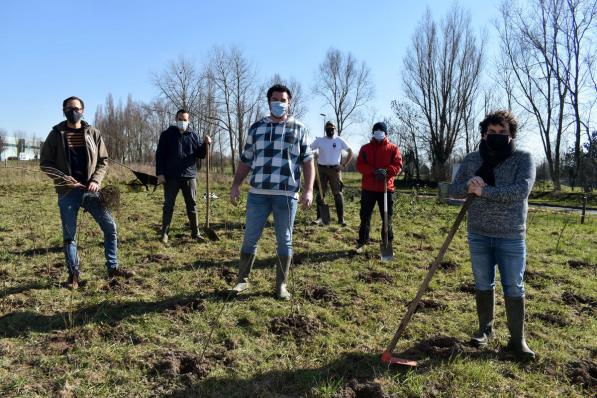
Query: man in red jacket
379, 162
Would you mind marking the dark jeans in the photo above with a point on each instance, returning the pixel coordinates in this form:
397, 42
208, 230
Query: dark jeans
188, 186
368, 200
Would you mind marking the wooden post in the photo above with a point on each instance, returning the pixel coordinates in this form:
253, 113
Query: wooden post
584, 208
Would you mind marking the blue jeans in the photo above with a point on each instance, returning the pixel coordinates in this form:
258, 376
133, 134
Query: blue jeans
259, 208
69, 205
508, 254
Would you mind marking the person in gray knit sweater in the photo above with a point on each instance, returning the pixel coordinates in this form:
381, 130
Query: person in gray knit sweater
501, 178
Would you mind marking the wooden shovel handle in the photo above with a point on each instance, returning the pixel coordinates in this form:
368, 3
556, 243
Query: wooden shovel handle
413, 305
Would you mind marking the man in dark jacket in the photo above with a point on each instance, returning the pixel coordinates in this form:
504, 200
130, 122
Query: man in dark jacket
176, 158
379, 162
75, 157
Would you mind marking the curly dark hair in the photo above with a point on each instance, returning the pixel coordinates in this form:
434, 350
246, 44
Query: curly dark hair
501, 117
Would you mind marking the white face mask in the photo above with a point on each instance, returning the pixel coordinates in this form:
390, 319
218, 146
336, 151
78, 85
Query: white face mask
182, 125
379, 135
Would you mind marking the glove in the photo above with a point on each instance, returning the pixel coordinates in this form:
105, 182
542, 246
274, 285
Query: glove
380, 174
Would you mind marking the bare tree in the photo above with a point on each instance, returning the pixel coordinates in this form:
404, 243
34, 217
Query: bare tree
441, 75
529, 39
181, 84
3, 134
235, 96
345, 86
409, 131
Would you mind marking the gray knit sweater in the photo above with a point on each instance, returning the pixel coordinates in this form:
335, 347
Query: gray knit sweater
501, 211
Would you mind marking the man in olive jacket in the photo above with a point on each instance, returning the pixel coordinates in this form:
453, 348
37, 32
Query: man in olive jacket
75, 157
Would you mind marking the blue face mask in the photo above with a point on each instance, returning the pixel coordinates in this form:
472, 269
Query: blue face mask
379, 135
278, 108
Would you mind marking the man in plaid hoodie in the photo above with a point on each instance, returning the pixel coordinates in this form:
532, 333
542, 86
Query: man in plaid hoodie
275, 150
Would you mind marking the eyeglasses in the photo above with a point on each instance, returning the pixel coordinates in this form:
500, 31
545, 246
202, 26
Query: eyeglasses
73, 108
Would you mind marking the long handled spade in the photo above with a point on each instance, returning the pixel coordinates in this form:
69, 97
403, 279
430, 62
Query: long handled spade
386, 250
324, 210
387, 357
211, 234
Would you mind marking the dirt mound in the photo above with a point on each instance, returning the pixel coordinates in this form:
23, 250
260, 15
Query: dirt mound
228, 274
320, 293
179, 364
553, 318
158, 258
444, 347
448, 266
188, 305
575, 299
356, 389
426, 305
467, 287
298, 326
375, 276
417, 235
581, 264
583, 373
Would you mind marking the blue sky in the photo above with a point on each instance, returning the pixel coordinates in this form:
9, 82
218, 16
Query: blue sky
54, 49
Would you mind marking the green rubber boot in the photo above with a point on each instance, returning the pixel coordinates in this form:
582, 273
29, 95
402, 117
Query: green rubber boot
485, 309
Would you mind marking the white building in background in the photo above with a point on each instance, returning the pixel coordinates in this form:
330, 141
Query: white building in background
21, 149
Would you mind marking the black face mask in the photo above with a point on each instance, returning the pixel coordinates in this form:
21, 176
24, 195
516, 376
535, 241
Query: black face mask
497, 142
329, 132
73, 116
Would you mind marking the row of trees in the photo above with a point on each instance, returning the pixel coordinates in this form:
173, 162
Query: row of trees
544, 72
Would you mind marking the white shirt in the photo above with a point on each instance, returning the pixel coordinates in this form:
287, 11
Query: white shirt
330, 150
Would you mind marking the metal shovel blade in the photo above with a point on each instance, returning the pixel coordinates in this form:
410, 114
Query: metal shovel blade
386, 251
210, 233
387, 358
324, 212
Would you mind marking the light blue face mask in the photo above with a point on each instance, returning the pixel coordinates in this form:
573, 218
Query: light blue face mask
379, 135
278, 108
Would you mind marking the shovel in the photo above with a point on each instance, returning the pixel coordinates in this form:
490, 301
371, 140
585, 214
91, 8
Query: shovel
324, 210
387, 357
211, 234
386, 250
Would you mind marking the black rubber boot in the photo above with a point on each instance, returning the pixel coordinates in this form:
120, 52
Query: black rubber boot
339, 202
515, 317
166, 219
282, 269
244, 269
485, 309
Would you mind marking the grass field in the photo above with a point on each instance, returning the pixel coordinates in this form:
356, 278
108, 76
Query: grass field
173, 330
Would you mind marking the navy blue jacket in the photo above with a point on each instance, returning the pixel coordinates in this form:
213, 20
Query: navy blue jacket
177, 153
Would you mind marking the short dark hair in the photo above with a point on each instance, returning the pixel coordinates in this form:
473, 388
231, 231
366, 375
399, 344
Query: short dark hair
279, 88
330, 124
71, 99
502, 117
181, 110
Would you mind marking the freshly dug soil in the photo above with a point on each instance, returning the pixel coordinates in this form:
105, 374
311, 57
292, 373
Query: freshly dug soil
375, 276
298, 326
583, 373
356, 389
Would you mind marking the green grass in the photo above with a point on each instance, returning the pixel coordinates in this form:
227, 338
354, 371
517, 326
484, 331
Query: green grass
129, 340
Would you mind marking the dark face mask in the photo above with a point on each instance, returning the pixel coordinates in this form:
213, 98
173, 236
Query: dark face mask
73, 116
497, 142
329, 132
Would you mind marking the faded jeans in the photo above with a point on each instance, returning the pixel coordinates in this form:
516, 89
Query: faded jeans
69, 204
259, 207
508, 254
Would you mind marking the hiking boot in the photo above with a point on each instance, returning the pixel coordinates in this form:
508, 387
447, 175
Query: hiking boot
515, 317
244, 269
360, 248
485, 310
282, 270
198, 238
317, 222
120, 272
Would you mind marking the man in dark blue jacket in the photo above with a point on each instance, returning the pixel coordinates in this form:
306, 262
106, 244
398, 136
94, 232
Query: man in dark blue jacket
176, 157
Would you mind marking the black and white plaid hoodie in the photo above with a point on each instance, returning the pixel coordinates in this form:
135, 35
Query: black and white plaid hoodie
275, 152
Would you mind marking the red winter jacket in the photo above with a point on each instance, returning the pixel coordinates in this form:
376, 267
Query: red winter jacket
378, 155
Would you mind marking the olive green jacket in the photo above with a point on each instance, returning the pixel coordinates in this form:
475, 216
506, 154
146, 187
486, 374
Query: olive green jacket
54, 157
